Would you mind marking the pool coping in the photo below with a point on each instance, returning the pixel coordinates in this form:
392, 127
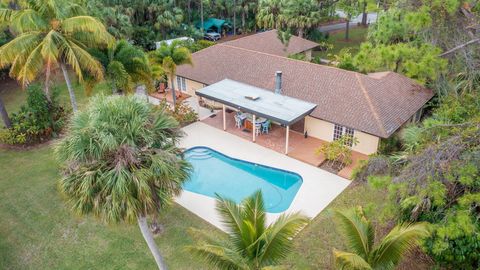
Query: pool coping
319, 188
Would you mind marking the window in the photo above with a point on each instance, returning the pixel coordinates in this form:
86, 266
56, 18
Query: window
339, 131
181, 84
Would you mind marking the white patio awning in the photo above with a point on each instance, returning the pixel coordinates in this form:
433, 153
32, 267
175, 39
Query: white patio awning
260, 102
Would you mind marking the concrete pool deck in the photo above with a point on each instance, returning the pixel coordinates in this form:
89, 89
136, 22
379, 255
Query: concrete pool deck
319, 187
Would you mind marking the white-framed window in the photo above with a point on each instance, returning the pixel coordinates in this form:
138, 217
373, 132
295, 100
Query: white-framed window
181, 84
339, 131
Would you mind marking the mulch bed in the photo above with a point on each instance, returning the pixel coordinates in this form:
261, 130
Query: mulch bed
332, 166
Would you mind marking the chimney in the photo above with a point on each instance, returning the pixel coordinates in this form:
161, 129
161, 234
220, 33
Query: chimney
278, 82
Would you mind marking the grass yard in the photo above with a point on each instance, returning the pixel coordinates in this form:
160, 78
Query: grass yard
37, 230
337, 39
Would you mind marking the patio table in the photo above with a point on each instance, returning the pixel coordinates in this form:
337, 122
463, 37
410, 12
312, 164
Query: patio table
249, 119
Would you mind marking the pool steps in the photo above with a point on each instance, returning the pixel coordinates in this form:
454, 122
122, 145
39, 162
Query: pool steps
199, 154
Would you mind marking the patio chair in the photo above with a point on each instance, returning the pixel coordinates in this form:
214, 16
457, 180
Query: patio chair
266, 126
238, 122
258, 129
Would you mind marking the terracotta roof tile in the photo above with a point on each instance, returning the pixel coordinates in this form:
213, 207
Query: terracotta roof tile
377, 104
268, 42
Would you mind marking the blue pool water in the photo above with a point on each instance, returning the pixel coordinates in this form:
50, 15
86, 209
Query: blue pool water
236, 179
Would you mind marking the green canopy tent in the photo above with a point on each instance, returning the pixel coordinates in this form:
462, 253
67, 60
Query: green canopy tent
210, 23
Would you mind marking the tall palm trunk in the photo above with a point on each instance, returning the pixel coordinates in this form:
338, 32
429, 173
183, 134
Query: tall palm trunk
234, 17
142, 223
4, 115
174, 95
347, 30
73, 100
243, 22
201, 13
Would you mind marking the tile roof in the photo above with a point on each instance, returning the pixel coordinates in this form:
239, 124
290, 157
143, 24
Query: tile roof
268, 42
377, 103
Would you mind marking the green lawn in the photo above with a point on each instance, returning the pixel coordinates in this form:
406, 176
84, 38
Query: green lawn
337, 39
37, 230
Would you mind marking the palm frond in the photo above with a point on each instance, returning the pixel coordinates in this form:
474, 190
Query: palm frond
220, 257
21, 45
357, 230
347, 260
87, 24
400, 240
27, 20
232, 217
81, 60
5, 15
278, 237
32, 66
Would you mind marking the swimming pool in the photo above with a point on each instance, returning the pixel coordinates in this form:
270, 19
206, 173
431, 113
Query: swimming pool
236, 179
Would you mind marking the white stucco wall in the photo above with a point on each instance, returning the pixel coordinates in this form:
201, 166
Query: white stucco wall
367, 144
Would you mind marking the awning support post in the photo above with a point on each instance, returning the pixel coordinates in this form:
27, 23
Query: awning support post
286, 139
224, 118
254, 127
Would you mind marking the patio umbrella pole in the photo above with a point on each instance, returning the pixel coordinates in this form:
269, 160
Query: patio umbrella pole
286, 140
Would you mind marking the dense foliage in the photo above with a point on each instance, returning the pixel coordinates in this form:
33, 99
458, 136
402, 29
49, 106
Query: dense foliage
437, 179
37, 121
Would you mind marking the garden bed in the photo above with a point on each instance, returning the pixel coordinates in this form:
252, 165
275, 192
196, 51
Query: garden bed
332, 166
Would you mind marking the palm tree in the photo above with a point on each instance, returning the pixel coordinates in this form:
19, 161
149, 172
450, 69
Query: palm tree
251, 244
51, 34
360, 236
125, 65
169, 17
245, 7
169, 57
301, 14
268, 13
121, 162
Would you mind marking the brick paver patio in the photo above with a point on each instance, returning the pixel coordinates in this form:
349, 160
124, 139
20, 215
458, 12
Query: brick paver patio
300, 148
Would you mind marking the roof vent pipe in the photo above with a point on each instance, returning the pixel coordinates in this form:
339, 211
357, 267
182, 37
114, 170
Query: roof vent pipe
278, 82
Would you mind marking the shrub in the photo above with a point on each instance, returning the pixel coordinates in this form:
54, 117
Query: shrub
338, 150
36, 121
316, 35
183, 113
376, 165
195, 46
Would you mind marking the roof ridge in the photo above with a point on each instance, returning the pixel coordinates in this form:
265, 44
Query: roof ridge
289, 59
370, 104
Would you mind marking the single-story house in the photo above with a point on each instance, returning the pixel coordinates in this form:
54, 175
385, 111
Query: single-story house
268, 42
370, 107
